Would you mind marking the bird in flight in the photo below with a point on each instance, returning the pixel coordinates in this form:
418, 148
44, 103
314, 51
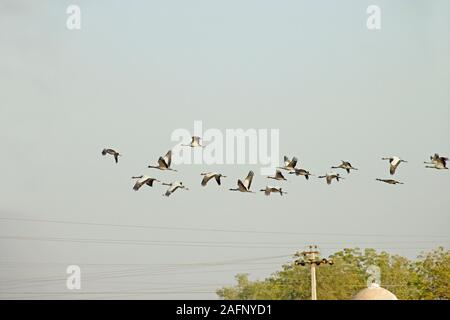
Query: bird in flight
195, 142
394, 163
245, 186
268, 190
345, 165
113, 153
164, 162
390, 181
209, 175
330, 176
302, 172
289, 165
141, 180
437, 162
173, 187
278, 176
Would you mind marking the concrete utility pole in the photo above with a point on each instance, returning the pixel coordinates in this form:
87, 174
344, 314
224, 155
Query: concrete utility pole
311, 257
313, 276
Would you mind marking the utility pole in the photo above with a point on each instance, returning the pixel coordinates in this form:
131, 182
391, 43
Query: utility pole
313, 276
311, 257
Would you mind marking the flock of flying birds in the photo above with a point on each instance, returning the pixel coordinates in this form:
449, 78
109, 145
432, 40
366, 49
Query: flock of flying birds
290, 165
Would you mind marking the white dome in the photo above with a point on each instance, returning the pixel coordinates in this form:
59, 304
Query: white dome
375, 292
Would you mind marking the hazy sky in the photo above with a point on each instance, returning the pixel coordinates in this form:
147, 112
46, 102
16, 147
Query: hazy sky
137, 70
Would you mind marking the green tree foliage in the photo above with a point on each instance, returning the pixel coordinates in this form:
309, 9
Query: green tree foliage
433, 275
425, 278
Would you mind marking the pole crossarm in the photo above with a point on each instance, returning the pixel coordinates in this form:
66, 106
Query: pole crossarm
311, 257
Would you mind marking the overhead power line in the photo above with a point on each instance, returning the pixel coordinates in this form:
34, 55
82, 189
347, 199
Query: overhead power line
173, 243
218, 229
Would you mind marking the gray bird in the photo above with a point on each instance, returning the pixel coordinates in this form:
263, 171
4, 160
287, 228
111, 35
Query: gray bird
390, 181
111, 152
437, 162
209, 175
245, 186
174, 186
345, 165
164, 162
289, 165
394, 163
141, 180
195, 142
330, 176
278, 176
302, 172
268, 190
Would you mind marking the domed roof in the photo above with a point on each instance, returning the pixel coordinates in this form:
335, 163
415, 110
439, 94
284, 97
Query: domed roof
374, 292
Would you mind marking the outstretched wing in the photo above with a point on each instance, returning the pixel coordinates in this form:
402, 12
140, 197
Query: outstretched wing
171, 190
279, 175
206, 178
168, 158
195, 141
137, 185
217, 179
162, 162
116, 157
393, 168
248, 180
293, 163
286, 161
241, 186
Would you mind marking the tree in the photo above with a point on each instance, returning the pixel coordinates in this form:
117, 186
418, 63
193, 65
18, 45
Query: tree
426, 278
433, 275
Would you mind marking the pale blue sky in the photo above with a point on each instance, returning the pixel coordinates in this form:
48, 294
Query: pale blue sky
137, 70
